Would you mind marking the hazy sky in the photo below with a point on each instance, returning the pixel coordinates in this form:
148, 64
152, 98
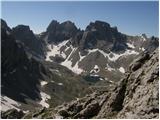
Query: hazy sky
133, 18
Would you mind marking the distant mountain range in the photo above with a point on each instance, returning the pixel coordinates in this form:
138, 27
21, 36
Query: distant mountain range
64, 63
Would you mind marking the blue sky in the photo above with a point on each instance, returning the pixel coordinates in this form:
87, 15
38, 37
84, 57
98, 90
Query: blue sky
133, 18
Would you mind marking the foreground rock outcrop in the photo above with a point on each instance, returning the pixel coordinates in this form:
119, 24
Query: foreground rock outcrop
135, 96
12, 114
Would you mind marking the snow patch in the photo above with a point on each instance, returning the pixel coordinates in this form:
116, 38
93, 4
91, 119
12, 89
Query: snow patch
143, 38
101, 79
95, 69
110, 81
81, 57
43, 83
122, 70
60, 84
55, 50
44, 98
27, 111
8, 103
67, 48
109, 68
130, 45
94, 75
126, 53
142, 48
68, 64
58, 117
115, 55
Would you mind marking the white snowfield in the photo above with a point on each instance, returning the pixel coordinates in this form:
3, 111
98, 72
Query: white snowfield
55, 50
68, 63
126, 53
122, 70
7, 103
44, 98
115, 55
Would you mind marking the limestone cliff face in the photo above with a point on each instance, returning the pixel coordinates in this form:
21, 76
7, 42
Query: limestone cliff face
137, 95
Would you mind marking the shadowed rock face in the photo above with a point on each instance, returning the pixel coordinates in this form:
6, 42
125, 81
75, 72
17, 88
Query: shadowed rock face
32, 44
101, 31
135, 96
4, 26
20, 73
57, 32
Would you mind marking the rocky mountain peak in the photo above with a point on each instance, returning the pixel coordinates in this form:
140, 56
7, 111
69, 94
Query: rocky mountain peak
144, 35
68, 22
52, 26
25, 35
99, 32
97, 25
4, 25
23, 30
58, 32
69, 26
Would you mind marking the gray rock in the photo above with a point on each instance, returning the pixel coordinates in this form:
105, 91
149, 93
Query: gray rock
12, 114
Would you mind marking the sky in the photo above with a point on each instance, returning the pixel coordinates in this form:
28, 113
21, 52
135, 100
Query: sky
132, 18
